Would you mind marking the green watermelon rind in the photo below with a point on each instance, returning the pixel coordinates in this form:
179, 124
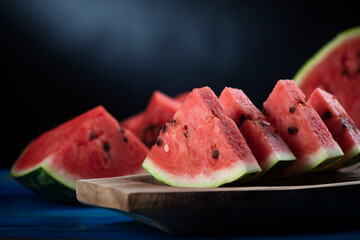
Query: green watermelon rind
315, 162
353, 157
227, 176
350, 158
325, 159
277, 162
322, 53
47, 182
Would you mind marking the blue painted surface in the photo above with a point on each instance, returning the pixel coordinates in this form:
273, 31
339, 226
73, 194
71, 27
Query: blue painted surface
25, 215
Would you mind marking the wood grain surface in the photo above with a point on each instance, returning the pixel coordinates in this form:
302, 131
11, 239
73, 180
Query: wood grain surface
313, 201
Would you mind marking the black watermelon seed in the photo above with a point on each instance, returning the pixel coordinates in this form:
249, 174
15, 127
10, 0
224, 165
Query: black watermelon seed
106, 146
122, 130
345, 72
242, 119
92, 135
124, 139
186, 131
272, 134
215, 154
344, 122
173, 121
264, 111
164, 129
292, 109
159, 142
292, 130
328, 114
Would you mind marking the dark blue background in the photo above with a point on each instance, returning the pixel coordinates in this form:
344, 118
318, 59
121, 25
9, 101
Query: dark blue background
61, 58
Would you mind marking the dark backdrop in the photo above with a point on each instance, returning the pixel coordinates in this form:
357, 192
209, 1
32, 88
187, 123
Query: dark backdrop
61, 58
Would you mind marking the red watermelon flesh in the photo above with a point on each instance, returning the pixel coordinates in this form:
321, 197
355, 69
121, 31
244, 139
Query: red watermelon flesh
134, 124
336, 69
339, 123
91, 145
301, 128
200, 147
160, 110
271, 152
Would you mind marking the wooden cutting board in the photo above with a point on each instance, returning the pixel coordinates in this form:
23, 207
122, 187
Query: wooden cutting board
319, 201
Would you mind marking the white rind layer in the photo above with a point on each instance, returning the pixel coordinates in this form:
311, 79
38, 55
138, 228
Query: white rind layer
353, 153
60, 176
275, 158
315, 162
350, 158
214, 179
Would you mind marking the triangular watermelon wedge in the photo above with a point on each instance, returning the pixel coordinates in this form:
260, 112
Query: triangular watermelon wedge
271, 152
335, 68
201, 146
91, 145
340, 124
301, 128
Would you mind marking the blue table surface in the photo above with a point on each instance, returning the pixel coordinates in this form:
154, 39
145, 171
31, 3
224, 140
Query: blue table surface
23, 214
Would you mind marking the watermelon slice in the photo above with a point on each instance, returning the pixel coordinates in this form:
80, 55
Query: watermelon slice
339, 123
135, 122
160, 110
271, 152
301, 128
91, 145
336, 69
200, 147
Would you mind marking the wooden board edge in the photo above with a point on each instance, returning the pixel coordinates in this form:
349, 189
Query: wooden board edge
92, 193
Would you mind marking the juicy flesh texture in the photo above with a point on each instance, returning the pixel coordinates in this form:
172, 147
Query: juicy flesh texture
160, 110
134, 124
264, 141
339, 74
259, 134
302, 129
339, 123
89, 146
237, 103
201, 140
